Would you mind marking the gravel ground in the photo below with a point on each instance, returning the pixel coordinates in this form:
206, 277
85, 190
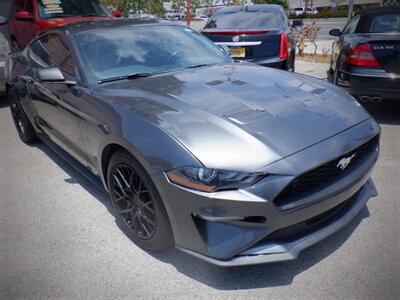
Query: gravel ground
59, 240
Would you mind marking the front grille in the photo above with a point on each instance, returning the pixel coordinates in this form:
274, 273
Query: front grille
323, 175
299, 230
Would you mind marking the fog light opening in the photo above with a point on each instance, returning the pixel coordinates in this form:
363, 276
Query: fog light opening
250, 219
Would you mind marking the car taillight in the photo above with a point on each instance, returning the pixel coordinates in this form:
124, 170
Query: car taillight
361, 55
283, 52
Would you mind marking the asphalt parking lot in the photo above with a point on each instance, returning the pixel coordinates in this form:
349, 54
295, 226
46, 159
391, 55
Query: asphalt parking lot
58, 239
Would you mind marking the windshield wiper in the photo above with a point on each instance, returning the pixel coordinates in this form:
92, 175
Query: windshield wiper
125, 77
200, 65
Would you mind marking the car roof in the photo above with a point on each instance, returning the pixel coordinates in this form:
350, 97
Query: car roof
379, 10
251, 8
83, 26
367, 15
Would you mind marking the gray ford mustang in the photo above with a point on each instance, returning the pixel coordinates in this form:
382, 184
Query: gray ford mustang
231, 162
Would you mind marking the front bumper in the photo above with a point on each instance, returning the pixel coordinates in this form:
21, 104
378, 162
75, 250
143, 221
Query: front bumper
369, 82
270, 251
230, 228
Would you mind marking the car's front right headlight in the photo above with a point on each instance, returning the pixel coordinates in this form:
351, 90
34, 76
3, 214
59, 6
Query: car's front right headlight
212, 180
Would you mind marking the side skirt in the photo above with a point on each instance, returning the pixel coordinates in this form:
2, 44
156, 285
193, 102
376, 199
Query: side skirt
73, 163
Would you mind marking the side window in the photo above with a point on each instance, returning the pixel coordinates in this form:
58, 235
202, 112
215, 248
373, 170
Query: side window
29, 7
352, 25
21, 5
52, 50
59, 53
38, 53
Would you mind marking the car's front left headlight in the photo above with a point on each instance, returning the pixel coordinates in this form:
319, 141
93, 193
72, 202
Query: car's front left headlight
212, 180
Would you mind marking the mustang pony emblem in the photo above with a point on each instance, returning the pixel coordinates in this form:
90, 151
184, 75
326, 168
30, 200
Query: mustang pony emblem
344, 162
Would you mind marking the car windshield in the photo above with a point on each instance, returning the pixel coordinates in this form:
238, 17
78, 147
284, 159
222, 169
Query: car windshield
150, 49
71, 8
245, 20
386, 23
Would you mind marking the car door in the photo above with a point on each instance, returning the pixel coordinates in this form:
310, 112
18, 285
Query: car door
338, 46
22, 29
29, 26
57, 103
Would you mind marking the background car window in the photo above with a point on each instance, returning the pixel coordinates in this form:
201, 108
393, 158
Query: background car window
139, 49
386, 23
29, 7
52, 50
21, 5
245, 20
352, 25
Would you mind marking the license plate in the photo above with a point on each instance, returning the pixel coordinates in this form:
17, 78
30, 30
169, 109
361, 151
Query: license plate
238, 52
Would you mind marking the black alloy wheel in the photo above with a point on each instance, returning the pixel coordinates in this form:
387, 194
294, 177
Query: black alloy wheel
24, 127
133, 201
138, 205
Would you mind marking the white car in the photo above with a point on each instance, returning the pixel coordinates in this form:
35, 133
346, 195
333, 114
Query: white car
202, 17
299, 11
305, 10
310, 10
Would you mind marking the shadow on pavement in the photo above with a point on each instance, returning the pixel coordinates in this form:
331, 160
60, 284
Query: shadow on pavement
76, 177
3, 101
386, 112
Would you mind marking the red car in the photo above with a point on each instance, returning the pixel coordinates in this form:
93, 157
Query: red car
28, 18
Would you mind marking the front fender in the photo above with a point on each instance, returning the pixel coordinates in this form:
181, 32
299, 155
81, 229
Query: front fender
155, 149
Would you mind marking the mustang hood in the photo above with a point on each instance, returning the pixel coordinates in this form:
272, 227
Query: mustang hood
240, 116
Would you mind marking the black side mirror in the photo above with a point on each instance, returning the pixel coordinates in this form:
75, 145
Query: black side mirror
52, 75
3, 20
335, 32
225, 49
297, 23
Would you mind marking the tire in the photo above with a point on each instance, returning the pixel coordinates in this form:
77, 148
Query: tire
24, 127
293, 69
335, 76
289, 64
330, 75
138, 206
